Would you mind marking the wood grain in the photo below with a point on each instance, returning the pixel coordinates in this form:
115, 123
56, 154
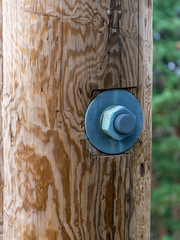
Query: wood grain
143, 147
112, 50
56, 54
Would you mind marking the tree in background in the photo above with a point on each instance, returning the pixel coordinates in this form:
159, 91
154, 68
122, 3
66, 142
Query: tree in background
166, 122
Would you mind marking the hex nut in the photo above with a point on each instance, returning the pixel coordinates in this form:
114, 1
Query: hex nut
108, 118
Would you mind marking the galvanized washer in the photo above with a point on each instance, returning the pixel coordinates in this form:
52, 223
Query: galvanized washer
94, 132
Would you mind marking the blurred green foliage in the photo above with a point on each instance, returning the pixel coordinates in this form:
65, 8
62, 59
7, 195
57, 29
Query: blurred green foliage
166, 122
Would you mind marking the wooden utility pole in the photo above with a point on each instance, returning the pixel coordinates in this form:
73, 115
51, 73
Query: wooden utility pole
58, 55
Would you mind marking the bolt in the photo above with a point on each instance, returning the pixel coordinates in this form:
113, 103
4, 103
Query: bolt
118, 122
124, 123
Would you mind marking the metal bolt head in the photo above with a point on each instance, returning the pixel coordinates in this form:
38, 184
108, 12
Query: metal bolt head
118, 122
124, 123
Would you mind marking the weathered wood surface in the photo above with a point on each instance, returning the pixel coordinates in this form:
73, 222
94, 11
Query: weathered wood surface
55, 54
109, 36
1, 134
143, 147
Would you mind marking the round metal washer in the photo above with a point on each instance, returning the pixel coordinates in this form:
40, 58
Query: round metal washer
94, 133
